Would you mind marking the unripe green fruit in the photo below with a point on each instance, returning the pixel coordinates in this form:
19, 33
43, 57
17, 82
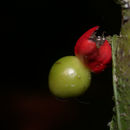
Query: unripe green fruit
68, 77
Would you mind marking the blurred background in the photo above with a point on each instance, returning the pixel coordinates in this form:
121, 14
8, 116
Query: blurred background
33, 36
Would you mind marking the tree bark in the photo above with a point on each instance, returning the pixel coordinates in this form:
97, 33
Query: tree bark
121, 72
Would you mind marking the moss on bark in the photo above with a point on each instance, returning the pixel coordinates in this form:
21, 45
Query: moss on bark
121, 76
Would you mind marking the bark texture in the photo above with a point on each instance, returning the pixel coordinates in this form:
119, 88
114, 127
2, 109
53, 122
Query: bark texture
121, 72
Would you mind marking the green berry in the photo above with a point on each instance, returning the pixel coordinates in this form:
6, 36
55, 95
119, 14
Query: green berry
68, 77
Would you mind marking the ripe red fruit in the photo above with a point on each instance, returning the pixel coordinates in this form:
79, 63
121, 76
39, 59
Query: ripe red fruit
93, 52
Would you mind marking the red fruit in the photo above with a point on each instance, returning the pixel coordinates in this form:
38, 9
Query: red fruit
93, 53
105, 53
83, 42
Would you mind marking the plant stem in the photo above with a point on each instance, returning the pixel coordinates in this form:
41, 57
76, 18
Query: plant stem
121, 72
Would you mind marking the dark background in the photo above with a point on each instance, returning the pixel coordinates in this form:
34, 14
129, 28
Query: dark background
33, 36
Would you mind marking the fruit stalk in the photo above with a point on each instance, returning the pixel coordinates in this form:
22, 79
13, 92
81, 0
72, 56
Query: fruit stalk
121, 72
